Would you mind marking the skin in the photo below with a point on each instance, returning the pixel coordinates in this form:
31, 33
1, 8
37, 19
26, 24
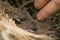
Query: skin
49, 7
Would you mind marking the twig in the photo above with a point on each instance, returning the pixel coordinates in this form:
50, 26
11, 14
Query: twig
24, 4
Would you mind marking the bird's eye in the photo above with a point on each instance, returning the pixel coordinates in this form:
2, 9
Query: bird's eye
17, 21
22, 20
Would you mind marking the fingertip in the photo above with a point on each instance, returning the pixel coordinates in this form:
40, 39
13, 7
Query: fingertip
40, 3
41, 16
36, 4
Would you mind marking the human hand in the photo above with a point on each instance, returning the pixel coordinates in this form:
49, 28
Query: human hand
49, 7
